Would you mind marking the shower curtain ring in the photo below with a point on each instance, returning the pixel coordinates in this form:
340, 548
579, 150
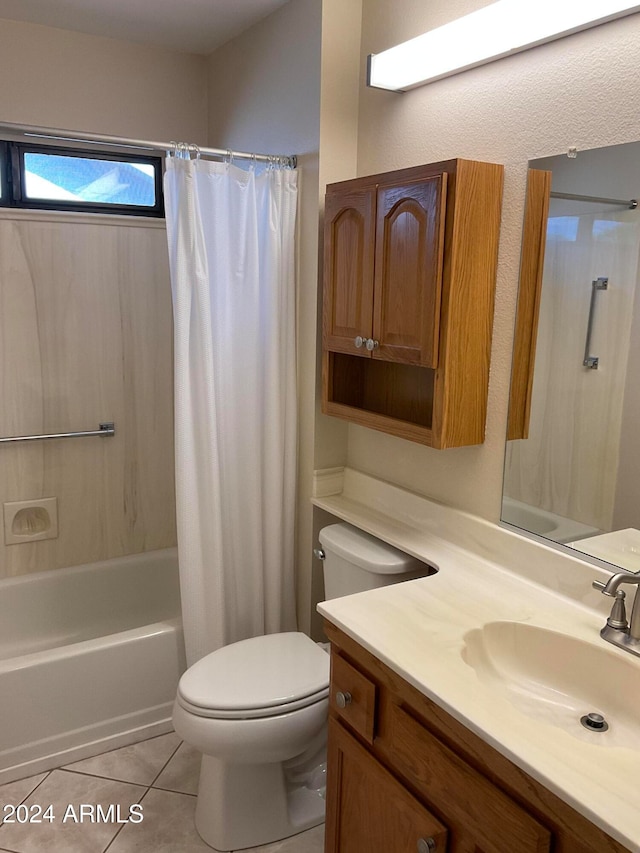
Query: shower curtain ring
195, 149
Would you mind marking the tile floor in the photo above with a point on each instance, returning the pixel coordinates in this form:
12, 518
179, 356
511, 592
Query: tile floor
160, 774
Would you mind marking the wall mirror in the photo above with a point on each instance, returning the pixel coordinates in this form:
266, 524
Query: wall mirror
572, 468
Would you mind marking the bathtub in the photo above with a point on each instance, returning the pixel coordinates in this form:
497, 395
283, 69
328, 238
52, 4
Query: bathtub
90, 659
544, 523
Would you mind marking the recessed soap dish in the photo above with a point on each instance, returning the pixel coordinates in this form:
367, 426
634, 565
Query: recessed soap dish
29, 521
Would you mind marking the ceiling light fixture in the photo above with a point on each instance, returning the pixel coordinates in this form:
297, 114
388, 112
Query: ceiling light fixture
501, 29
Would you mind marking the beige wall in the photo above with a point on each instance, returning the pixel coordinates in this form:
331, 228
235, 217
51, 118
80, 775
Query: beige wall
85, 321
340, 72
281, 88
57, 78
580, 91
85, 334
265, 94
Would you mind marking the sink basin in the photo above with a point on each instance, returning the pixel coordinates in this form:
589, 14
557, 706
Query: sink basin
556, 678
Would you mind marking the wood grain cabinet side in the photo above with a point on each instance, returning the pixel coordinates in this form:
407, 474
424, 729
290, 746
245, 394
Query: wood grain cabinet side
409, 275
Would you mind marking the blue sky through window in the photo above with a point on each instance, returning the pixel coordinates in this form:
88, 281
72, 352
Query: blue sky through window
85, 179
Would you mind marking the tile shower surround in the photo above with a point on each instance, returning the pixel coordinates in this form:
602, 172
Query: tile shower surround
160, 773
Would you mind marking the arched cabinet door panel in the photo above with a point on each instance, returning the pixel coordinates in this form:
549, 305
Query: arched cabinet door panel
348, 270
408, 271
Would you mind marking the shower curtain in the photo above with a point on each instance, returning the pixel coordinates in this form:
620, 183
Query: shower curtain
231, 248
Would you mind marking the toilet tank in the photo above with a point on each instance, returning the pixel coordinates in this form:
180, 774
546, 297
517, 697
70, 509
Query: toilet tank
356, 561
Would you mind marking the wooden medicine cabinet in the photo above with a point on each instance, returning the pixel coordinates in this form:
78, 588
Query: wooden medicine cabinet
409, 279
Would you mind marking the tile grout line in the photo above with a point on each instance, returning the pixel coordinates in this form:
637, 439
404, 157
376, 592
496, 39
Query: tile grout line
147, 788
99, 776
123, 825
65, 769
155, 778
26, 797
69, 769
162, 769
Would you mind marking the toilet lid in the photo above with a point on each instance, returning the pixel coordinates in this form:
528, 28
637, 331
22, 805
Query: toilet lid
260, 674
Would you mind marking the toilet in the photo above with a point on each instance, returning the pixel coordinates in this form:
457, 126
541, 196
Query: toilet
257, 710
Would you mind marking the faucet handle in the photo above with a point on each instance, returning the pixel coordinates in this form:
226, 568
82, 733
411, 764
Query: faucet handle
600, 585
618, 617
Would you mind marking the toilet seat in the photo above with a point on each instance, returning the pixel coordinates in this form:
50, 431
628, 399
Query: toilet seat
259, 677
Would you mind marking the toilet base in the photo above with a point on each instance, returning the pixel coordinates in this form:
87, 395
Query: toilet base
247, 805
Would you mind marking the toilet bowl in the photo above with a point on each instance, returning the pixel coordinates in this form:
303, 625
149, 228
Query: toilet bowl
257, 710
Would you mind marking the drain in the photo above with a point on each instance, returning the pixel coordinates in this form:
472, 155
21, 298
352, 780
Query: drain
595, 722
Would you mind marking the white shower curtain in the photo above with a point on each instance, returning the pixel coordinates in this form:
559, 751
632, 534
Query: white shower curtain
231, 248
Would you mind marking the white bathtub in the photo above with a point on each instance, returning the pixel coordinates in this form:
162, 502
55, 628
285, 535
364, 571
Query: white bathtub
90, 659
544, 523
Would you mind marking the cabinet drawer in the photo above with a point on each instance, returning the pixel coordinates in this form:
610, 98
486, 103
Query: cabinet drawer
475, 808
353, 697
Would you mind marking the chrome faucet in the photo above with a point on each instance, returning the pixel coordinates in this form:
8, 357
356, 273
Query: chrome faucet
617, 630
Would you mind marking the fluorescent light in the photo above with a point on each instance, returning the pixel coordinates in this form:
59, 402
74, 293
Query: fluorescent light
503, 28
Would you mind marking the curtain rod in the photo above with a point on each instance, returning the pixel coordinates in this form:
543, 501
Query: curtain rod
122, 142
630, 203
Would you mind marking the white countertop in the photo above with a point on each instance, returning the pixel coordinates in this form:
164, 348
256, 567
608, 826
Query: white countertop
418, 629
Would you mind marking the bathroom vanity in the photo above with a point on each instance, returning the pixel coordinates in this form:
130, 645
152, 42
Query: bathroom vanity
404, 775
456, 700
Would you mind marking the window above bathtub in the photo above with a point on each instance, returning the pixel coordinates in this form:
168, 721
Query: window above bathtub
45, 177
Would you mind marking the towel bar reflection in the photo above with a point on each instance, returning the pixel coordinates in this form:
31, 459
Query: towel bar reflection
591, 361
104, 429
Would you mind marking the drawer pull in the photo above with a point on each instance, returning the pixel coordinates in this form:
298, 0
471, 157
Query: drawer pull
426, 845
343, 699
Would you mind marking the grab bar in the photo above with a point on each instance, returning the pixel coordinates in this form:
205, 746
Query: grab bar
591, 361
105, 429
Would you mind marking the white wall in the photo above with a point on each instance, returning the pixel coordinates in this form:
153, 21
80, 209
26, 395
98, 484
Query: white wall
581, 91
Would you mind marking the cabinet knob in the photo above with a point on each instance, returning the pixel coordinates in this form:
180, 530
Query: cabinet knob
359, 341
426, 845
343, 699
371, 344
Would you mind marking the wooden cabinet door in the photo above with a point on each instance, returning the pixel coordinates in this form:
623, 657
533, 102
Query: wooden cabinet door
481, 818
408, 271
349, 235
368, 810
